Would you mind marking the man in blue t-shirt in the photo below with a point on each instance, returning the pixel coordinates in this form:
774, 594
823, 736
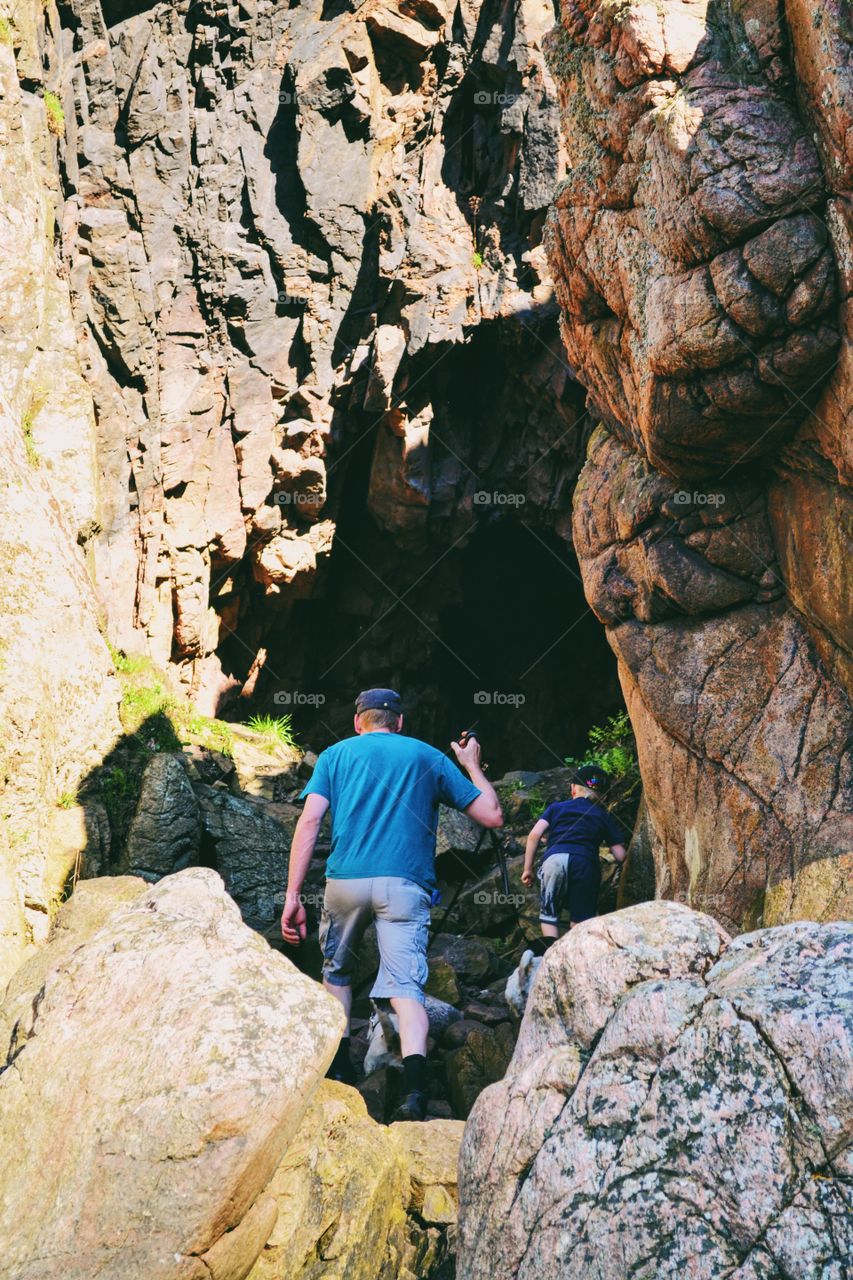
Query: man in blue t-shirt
384, 790
570, 873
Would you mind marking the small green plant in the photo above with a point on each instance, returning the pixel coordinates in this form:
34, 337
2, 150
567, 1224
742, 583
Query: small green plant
128, 664
27, 424
216, 735
7, 32
118, 790
611, 746
536, 803
67, 800
477, 260
55, 114
279, 728
148, 710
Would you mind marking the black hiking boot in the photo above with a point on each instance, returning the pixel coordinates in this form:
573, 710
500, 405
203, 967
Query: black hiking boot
413, 1107
343, 1074
341, 1068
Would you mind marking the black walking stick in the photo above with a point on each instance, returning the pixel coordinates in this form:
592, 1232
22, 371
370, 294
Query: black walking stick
497, 847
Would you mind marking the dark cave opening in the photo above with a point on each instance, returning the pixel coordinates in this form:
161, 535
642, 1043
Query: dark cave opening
494, 634
524, 659
470, 605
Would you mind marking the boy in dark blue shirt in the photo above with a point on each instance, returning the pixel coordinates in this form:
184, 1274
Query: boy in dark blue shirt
570, 873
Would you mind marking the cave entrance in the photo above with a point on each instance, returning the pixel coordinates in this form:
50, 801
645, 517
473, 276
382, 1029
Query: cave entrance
530, 667
495, 634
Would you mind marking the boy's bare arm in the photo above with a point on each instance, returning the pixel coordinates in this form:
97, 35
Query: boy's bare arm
620, 853
536, 834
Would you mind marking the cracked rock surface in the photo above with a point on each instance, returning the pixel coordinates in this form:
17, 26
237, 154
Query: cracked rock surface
700, 248
676, 1103
277, 221
140, 1131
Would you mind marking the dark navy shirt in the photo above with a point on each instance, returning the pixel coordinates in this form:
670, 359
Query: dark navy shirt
580, 826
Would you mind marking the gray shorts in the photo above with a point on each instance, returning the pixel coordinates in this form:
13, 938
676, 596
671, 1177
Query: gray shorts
569, 882
400, 909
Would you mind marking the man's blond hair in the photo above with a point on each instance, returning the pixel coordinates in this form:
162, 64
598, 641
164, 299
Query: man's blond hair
378, 718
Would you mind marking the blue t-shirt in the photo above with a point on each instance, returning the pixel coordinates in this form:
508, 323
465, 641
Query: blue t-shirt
580, 826
384, 791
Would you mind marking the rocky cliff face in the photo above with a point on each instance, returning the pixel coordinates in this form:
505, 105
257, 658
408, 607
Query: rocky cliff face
278, 221
701, 249
281, 350
243, 250
58, 698
319, 347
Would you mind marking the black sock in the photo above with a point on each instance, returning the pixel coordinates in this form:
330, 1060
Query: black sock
540, 945
341, 1061
414, 1073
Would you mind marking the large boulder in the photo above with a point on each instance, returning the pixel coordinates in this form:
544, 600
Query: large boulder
340, 1194
471, 959
359, 1200
165, 831
88, 908
480, 1060
155, 1074
675, 1105
249, 842
701, 248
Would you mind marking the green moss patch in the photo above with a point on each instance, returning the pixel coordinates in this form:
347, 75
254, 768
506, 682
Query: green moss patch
55, 114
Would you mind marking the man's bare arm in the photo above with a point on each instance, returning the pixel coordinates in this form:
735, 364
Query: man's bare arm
293, 920
486, 809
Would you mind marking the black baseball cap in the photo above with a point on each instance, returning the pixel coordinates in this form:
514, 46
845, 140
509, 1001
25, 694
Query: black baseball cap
379, 700
589, 775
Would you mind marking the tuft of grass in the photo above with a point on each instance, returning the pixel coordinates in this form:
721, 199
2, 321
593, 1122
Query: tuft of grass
66, 800
477, 260
55, 114
277, 728
157, 718
216, 735
7, 32
149, 711
127, 664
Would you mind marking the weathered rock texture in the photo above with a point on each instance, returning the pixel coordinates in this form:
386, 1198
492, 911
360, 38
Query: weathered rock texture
701, 252
362, 1201
156, 1064
58, 698
277, 220
674, 1106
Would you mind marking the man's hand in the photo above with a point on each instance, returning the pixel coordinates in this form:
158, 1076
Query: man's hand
527, 875
294, 922
469, 755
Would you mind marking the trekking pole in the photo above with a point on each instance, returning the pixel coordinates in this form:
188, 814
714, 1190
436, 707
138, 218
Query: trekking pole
497, 844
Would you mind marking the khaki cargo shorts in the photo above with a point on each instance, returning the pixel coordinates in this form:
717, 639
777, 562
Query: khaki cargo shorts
400, 909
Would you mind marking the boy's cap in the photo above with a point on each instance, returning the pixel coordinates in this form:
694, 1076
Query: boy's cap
588, 775
379, 700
